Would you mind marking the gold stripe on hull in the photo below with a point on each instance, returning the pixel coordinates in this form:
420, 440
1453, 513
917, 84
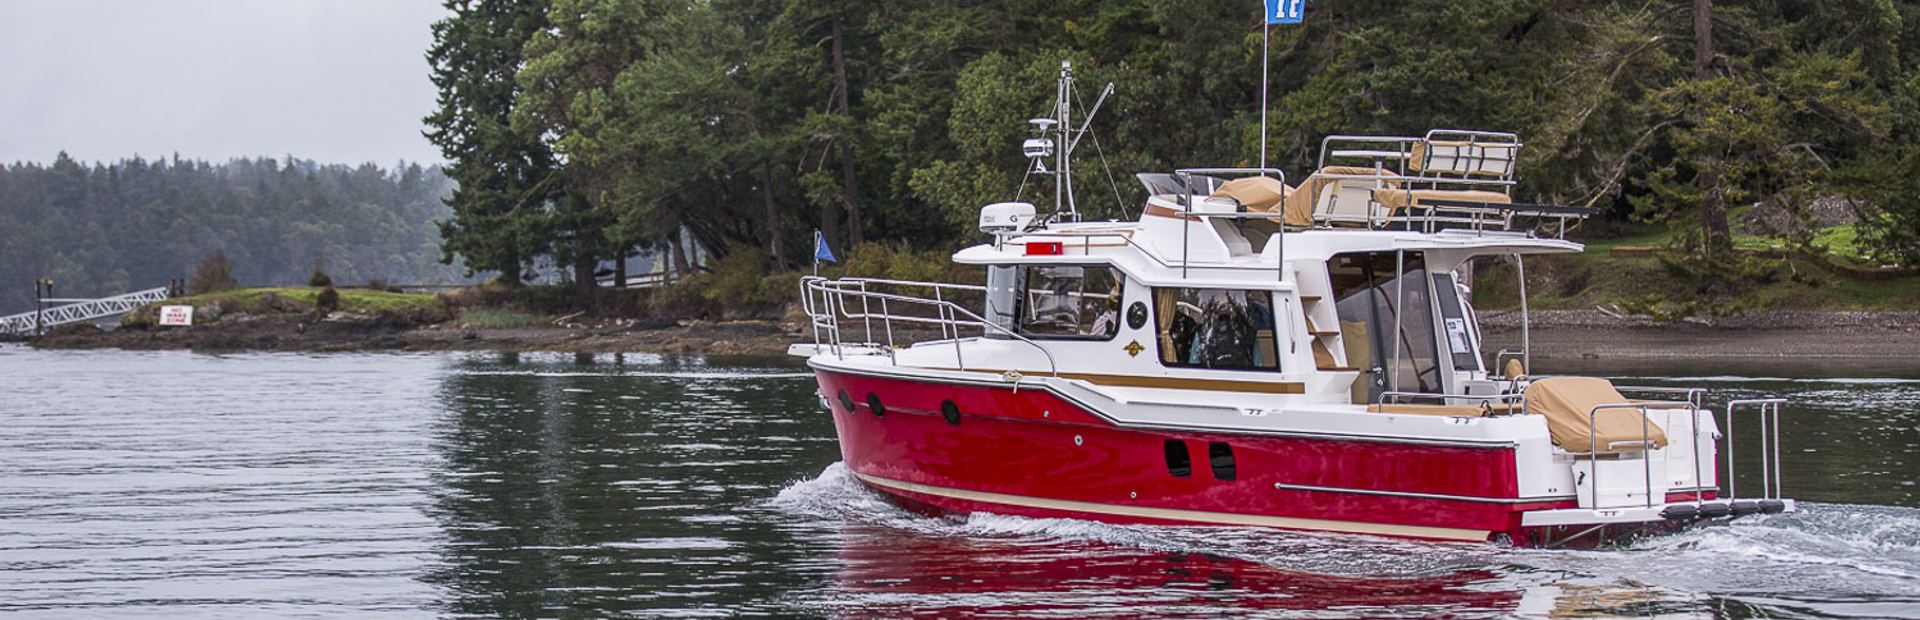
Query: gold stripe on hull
1191, 516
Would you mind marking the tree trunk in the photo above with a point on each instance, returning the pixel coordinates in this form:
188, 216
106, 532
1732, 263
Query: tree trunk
772, 225
510, 273
620, 268
1717, 237
849, 185
1702, 39
583, 282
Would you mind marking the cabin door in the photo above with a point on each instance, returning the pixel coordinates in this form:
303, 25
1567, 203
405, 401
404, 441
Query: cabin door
1386, 296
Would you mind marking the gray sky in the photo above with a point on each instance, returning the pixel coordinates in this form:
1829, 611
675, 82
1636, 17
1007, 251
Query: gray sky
338, 81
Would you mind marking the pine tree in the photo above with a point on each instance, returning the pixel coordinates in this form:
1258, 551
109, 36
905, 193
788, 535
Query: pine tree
507, 180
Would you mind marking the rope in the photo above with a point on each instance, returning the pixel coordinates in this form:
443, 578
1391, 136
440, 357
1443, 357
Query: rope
1119, 203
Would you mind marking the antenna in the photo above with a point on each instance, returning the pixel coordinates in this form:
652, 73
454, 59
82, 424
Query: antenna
1056, 138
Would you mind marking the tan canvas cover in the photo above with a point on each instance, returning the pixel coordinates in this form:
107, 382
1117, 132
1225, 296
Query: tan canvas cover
1301, 201
1262, 194
1567, 401
1397, 199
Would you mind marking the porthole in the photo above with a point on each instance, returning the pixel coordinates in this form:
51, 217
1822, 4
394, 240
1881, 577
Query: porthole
873, 402
1220, 456
951, 412
1179, 463
1137, 315
846, 402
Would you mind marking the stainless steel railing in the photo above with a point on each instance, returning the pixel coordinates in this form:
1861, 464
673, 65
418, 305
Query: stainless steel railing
1647, 447
1770, 464
826, 302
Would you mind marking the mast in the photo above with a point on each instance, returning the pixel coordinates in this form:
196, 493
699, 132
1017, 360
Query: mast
1063, 166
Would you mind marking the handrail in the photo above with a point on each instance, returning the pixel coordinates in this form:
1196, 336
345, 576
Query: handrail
1186, 181
1770, 463
1696, 402
834, 294
1646, 445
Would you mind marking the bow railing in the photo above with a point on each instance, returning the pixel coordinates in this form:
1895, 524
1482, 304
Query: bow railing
829, 303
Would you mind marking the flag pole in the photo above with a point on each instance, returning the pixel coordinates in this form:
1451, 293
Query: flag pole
1266, 26
816, 251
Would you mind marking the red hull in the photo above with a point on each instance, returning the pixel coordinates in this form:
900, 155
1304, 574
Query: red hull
1028, 452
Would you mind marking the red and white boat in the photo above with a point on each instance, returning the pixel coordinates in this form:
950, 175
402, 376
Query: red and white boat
1254, 353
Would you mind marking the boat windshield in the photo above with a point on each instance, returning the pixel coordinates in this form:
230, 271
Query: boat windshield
1165, 184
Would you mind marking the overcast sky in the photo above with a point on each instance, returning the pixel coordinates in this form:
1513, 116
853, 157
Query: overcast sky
339, 81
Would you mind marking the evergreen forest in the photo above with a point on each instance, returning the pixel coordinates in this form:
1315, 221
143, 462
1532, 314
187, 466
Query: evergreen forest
110, 228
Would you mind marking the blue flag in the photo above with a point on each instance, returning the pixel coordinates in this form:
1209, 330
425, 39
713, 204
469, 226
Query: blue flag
820, 250
1285, 11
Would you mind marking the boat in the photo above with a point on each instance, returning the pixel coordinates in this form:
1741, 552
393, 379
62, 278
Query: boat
1250, 352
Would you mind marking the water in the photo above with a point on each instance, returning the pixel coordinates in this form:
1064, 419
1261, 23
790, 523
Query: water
188, 485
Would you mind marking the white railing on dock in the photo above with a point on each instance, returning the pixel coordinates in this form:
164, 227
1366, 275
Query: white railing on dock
77, 310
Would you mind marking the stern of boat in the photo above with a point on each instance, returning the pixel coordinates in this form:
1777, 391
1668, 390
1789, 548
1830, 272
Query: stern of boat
1625, 494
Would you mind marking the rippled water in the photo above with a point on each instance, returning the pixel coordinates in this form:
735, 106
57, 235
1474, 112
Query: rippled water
178, 484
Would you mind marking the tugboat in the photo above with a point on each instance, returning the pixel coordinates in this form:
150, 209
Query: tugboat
1250, 352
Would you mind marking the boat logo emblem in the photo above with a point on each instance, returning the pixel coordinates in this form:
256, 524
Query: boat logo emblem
1134, 349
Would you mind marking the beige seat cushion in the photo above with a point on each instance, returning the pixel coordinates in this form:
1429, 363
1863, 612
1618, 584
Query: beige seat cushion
1258, 194
1398, 199
1567, 402
1457, 411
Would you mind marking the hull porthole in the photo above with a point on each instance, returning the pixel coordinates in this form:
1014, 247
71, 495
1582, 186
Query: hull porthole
951, 412
1220, 456
846, 402
873, 402
1179, 462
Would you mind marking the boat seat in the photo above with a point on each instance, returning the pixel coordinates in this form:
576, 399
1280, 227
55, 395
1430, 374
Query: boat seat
1463, 158
1568, 401
1454, 411
1396, 200
1332, 194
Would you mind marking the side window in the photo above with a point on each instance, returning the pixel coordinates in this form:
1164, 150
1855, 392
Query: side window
1456, 327
1216, 328
1070, 301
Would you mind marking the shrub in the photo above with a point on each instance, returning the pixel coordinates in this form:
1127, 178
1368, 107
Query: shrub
319, 279
213, 274
327, 301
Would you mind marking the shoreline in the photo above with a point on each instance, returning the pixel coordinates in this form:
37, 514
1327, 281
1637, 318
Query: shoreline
1561, 339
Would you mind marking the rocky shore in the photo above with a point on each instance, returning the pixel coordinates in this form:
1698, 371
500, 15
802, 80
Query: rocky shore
1578, 338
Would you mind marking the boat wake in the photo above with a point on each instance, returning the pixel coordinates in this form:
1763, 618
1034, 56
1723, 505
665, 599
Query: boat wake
1831, 560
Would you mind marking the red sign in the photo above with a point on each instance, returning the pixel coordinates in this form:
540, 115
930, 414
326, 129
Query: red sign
1045, 248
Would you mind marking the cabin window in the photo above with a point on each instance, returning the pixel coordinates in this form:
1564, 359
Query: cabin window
1456, 326
1216, 328
1004, 283
1071, 301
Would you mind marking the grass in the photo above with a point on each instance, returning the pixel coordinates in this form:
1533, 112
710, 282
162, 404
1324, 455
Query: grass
288, 300
497, 317
351, 299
